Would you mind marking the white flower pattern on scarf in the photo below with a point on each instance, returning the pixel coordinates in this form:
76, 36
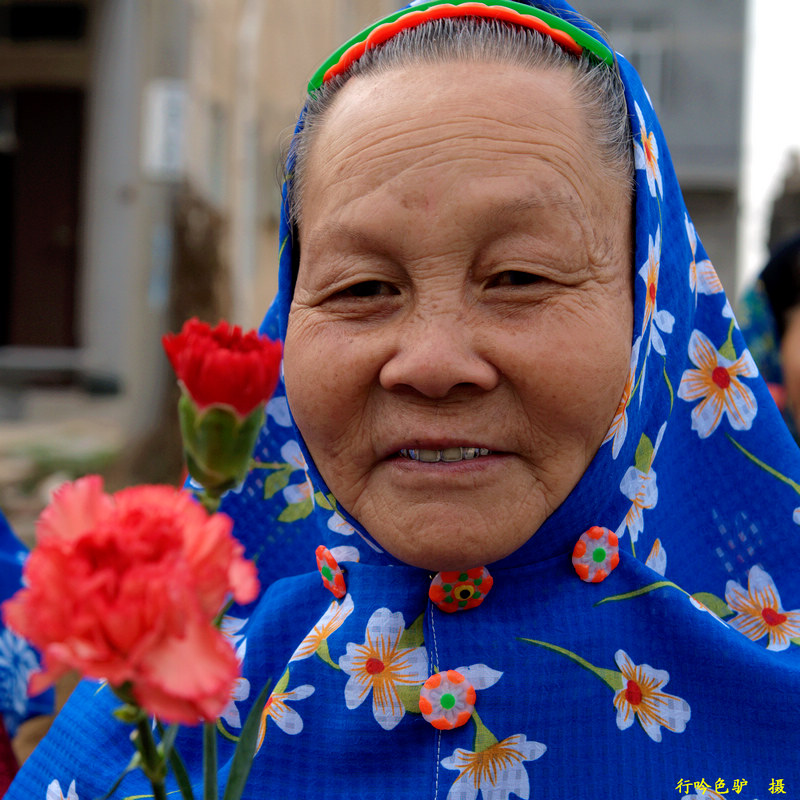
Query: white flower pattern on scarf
380, 665
716, 383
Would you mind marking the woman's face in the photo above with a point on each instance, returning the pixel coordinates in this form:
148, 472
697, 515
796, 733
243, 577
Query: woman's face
460, 332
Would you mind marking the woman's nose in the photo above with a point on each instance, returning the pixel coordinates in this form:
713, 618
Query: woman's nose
436, 357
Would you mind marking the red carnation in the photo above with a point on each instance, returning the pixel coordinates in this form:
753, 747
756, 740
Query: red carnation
126, 587
223, 366
226, 377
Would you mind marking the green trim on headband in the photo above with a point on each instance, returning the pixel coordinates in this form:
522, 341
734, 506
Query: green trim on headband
597, 48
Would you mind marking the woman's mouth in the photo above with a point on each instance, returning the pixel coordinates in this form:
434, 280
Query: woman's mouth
449, 454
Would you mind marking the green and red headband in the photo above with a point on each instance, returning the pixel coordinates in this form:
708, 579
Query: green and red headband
568, 36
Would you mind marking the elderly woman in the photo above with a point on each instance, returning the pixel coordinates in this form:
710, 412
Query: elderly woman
544, 482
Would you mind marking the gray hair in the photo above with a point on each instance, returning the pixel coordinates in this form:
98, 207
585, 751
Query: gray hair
479, 40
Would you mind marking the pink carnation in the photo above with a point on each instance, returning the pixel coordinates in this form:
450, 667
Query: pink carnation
125, 588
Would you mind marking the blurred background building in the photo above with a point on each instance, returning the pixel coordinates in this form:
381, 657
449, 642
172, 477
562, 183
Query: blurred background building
140, 154
690, 57
139, 144
139, 170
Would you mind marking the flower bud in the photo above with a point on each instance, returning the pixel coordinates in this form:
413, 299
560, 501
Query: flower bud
218, 443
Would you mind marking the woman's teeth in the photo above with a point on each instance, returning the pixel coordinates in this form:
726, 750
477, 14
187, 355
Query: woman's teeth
449, 454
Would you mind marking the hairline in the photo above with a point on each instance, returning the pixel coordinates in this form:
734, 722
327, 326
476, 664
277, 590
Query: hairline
478, 41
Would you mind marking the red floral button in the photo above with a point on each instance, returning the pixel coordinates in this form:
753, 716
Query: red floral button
332, 575
595, 554
459, 590
447, 700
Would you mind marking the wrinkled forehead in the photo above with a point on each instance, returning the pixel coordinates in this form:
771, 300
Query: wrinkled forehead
507, 147
356, 99
432, 115
494, 139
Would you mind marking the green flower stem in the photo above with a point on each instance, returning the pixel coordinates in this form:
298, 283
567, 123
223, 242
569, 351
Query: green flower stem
635, 387
636, 592
153, 763
758, 462
245, 750
224, 732
210, 791
218, 443
610, 677
209, 501
178, 767
669, 386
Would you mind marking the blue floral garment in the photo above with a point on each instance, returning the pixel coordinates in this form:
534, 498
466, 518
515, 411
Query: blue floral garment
676, 676
17, 659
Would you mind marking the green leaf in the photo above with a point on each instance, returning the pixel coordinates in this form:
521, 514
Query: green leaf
325, 654
277, 481
223, 611
178, 769
484, 738
615, 679
325, 501
795, 641
128, 714
246, 749
210, 788
283, 682
296, 511
181, 774
643, 459
409, 697
413, 635
713, 603
728, 350
168, 739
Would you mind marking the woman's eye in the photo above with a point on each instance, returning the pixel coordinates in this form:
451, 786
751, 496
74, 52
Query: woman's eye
369, 289
514, 278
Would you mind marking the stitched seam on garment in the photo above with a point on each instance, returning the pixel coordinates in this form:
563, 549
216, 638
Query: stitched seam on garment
435, 665
438, 732
438, 754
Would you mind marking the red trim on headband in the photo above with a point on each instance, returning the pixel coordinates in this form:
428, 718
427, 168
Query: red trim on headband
389, 29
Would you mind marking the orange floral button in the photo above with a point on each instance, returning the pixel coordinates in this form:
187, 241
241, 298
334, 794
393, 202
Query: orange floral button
332, 575
447, 700
595, 554
459, 590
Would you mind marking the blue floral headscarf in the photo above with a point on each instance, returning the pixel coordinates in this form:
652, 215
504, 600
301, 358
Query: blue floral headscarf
676, 675
18, 660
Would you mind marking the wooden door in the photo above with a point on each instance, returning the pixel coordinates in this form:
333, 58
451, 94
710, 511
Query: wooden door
40, 179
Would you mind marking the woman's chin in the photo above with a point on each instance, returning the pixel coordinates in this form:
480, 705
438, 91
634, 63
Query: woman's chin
457, 548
